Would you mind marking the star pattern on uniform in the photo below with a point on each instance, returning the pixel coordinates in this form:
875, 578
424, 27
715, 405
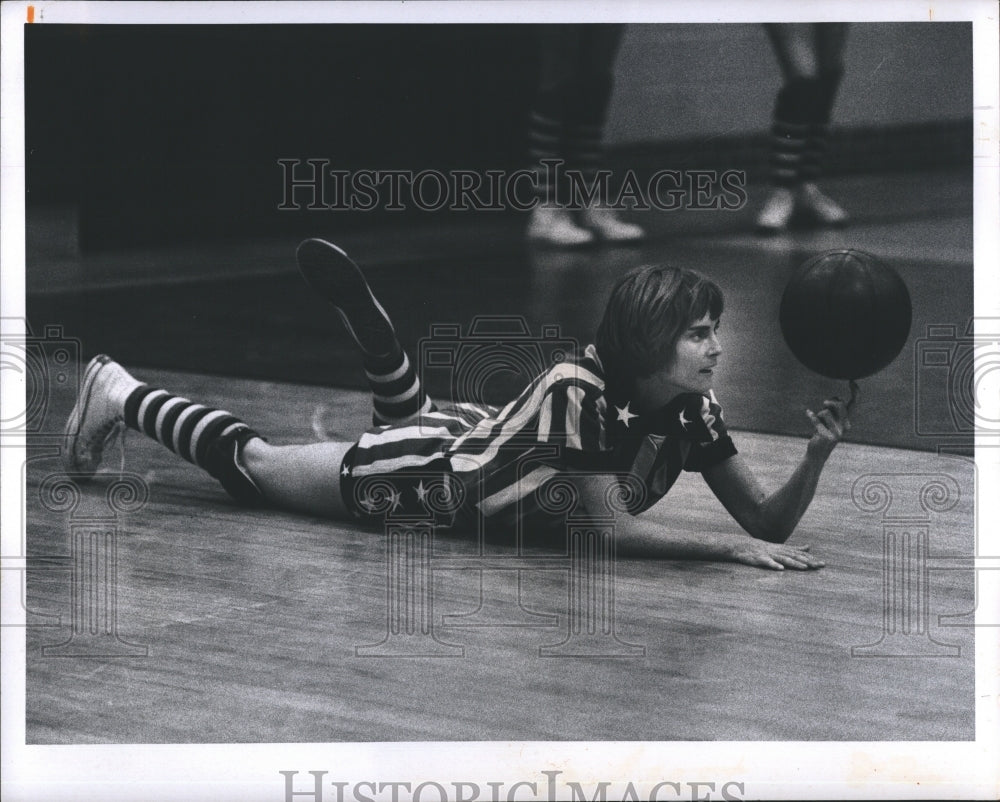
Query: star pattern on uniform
421, 491
345, 471
395, 499
625, 415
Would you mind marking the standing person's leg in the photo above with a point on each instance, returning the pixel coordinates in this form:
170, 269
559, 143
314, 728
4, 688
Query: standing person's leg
798, 131
397, 394
558, 47
586, 118
794, 48
830, 40
301, 478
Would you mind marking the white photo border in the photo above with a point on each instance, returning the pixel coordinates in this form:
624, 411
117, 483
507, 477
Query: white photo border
250, 772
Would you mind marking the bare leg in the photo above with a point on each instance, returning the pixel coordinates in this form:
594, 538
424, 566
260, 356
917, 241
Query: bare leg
795, 47
831, 40
300, 478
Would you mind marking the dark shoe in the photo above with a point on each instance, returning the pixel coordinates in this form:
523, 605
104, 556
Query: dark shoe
333, 275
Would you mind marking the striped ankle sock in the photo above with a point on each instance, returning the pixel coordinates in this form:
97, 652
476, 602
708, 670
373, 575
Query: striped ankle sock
396, 390
209, 438
814, 153
788, 151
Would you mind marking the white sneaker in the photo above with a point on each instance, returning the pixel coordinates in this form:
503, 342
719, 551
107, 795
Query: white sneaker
609, 226
557, 227
98, 414
777, 211
821, 208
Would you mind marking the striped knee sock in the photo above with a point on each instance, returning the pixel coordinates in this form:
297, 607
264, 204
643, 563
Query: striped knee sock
795, 110
545, 143
819, 128
585, 154
396, 390
814, 152
209, 438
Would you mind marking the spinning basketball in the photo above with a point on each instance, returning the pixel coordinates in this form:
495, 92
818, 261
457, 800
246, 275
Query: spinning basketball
845, 314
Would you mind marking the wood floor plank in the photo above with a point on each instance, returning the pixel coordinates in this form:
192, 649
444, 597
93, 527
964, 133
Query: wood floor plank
252, 620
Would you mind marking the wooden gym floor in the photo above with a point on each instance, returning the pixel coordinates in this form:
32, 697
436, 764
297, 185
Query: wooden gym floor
236, 626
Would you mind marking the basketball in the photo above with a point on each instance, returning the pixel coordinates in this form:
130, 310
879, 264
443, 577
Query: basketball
845, 314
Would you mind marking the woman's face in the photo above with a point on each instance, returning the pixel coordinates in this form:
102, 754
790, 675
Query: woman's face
692, 369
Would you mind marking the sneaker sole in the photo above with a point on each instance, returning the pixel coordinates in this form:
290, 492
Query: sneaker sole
334, 276
622, 240
76, 417
546, 241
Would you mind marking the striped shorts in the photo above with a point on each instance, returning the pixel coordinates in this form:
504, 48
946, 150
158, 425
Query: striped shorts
410, 493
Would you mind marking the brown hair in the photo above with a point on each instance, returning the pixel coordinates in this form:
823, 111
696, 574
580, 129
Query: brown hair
649, 308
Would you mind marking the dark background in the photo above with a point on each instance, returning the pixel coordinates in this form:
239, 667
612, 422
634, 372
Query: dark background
171, 133
175, 131
153, 185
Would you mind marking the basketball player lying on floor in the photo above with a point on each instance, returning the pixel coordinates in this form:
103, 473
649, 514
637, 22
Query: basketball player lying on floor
637, 405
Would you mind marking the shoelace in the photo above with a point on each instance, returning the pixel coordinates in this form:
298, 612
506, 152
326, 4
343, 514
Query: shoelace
114, 431
122, 431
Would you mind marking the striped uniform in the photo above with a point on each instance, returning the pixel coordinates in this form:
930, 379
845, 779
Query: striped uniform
497, 466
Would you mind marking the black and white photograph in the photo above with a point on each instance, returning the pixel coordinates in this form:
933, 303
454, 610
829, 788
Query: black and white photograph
500, 401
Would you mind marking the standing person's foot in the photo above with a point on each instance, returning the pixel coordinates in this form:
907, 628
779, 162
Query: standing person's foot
819, 207
97, 415
777, 212
333, 275
557, 227
609, 226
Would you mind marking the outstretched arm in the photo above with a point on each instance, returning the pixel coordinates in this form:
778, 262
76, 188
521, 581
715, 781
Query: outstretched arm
644, 538
774, 517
